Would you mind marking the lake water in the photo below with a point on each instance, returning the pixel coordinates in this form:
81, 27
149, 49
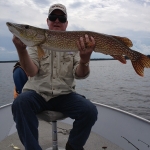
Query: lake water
110, 83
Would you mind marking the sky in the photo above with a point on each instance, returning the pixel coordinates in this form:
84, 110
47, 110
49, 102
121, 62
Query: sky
126, 18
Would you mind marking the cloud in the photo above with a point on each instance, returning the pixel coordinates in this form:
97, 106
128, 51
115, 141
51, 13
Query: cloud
74, 27
76, 5
128, 18
6, 54
42, 3
2, 49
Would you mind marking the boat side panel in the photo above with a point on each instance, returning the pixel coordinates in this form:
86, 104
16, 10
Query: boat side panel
6, 121
123, 129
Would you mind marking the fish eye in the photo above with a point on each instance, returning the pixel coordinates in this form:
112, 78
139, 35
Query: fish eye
26, 27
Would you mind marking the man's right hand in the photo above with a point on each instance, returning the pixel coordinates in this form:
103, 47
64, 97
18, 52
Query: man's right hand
20, 46
24, 58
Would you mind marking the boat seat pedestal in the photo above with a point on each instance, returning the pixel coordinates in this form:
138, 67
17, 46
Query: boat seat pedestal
52, 116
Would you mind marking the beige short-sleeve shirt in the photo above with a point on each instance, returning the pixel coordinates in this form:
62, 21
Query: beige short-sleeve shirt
56, 73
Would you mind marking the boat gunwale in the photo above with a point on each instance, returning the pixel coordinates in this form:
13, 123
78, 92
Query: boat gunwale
106, 106
6, 105
122, 111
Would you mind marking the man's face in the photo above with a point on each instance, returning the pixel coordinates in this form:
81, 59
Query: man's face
57, 25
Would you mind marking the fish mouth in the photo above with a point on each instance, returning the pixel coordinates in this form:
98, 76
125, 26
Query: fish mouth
12, 28
8, 24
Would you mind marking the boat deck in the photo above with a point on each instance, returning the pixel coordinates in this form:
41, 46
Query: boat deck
95, 142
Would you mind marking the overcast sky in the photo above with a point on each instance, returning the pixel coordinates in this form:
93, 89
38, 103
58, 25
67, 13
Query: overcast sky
129, 18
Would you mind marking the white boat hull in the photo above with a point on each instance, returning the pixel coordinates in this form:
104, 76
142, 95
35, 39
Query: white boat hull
126, 130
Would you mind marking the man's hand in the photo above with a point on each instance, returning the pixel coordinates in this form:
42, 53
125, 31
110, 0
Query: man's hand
86, 46
20, 46
25, 60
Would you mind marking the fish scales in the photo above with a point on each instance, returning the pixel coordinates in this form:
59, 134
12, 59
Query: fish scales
115, 46
61, 42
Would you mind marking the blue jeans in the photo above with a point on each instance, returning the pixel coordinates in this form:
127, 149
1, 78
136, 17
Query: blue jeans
28, 104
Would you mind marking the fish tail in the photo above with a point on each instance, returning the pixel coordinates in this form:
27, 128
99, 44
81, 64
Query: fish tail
140, 62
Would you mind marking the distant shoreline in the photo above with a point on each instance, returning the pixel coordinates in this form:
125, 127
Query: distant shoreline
92, 59
10, 61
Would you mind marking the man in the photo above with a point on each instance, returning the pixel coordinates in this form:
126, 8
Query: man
51, 87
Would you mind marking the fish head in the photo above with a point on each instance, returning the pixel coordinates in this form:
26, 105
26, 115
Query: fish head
29, 35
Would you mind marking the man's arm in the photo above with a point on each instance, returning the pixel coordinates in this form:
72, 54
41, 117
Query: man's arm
85, 49
27, 64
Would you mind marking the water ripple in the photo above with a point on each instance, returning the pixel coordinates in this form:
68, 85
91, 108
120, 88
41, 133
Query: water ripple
110, 83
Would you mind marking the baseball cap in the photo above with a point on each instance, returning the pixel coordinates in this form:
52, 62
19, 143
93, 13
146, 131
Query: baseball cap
57, 6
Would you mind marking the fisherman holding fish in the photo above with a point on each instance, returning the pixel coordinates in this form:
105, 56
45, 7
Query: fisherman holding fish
51, 86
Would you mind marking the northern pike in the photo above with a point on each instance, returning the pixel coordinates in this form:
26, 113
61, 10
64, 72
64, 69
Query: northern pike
116, 46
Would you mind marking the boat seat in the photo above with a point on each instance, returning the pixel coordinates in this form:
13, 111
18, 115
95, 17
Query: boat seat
52, 116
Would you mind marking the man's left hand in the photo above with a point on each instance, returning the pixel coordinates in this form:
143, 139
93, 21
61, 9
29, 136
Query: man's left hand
86, 46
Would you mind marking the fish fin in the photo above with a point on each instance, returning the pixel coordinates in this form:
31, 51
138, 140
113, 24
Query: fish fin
40, 52
140, 63
139, 69
120, 58
124, 40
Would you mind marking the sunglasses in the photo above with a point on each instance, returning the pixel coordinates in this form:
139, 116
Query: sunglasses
61, 18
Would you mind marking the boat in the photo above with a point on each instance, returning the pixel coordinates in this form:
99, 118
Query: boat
115, 129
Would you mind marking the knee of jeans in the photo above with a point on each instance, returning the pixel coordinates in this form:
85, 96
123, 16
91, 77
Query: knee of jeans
95, 113
18, 103
15, 105
90, 111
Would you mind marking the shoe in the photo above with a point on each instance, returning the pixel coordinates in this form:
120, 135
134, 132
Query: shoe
68, 147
